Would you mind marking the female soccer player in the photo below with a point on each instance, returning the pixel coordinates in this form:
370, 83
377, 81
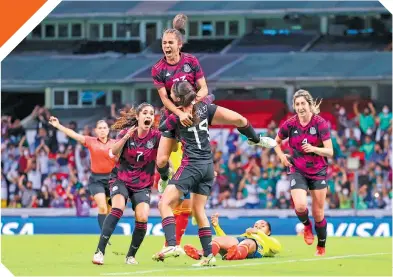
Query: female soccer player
173, 67
196, 173
254, 243
309, 139
133, 178
102, 161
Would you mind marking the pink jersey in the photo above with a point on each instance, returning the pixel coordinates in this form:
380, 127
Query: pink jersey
165, 74
315, 133
137, 163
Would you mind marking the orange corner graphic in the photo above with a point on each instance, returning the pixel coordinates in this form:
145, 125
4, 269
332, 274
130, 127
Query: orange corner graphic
15, 13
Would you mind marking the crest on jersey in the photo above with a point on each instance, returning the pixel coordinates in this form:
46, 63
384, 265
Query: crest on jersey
313, 131
293, 182
115, 188
186, 68
149, 144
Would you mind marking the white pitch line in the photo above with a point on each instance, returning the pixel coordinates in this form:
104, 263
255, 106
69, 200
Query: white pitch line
247, 264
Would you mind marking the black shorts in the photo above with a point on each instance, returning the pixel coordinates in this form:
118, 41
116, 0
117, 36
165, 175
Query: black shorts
99, 183
165, 113
136, 197
194, 178
298, 181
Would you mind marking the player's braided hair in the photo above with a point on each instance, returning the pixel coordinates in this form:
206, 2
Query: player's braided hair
178, 27
314, 105
185, 91
128, 118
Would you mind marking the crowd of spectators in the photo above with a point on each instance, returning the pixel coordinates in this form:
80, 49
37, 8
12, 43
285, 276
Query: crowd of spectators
50, 170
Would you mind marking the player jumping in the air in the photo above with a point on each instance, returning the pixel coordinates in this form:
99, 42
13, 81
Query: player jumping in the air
173, 67
137, 146
196, 173
254, 243
310, 142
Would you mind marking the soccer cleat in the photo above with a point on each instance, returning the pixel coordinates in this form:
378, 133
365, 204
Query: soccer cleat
98, 258
181, 250
163, 184
166, 252
206, 261
131, 260
266, 142
192, 252
308, 235
320, 251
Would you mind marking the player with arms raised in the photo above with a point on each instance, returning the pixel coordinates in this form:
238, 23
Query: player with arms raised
133, 178
196, 173
173, 67
310, 142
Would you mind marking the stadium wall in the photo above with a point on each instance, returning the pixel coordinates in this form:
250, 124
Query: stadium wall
340, 223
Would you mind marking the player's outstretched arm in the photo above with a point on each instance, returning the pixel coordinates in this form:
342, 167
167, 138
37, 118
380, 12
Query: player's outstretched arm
270, 245
216, 226
69, 132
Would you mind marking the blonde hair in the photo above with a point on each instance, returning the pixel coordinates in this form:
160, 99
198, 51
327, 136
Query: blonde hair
314, 104
178, 27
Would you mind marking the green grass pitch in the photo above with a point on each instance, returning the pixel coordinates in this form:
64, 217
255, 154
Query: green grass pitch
45, 255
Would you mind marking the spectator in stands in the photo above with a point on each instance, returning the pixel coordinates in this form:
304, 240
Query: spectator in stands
24, 157
384, 121
5, 185
282, 201
232, 141
249, 190
342, 118
27, 195
42, 115
368, 147
16, 131
366, 119
33, 174
43, 198
5, 125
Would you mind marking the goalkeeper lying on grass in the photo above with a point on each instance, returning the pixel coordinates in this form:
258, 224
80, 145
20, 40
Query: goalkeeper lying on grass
254, 243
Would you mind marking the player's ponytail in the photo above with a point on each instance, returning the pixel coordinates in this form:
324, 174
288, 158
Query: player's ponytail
314, 104
179, 23
178, 28
128, 118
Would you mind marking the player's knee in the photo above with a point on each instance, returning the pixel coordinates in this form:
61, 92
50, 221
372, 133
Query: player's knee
142, 217
102, 209
241, 121
318, 214
301, 207
162, 160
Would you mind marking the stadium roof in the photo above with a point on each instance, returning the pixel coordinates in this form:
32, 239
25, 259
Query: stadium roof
77, 9
22, 71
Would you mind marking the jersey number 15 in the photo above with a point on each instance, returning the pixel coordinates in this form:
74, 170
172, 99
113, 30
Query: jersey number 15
202, 127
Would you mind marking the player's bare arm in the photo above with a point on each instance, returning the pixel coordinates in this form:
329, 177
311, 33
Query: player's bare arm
118, 146
325, 151
54, 121
203, 90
